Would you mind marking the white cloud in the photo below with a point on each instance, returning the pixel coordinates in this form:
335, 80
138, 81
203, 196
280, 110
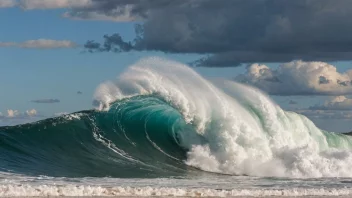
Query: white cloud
337, 103
7, 3
54, 4
12, 113
299, 78
46, 43
41, 44
31, 112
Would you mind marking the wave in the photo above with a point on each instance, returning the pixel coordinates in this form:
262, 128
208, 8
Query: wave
161, 118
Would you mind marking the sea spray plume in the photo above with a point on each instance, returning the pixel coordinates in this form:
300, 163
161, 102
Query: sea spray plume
245, 132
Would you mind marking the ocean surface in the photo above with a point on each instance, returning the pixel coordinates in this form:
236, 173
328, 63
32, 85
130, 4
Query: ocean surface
161, 129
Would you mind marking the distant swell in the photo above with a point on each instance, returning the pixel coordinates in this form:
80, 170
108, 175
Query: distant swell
161, 118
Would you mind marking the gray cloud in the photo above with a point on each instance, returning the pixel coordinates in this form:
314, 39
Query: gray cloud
113, 43
231, 32
47, 101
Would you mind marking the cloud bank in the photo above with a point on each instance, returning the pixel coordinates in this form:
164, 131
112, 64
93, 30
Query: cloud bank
338, 107
339, 103
299, 78
41, 44
229, 32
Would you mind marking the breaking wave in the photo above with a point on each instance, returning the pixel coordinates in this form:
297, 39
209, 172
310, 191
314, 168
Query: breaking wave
161, 118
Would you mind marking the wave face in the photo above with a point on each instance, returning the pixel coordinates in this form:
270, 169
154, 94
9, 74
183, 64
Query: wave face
161, 118
137, 137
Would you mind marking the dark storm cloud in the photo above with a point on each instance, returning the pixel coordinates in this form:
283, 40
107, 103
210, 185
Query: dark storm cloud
231, 32
47, 101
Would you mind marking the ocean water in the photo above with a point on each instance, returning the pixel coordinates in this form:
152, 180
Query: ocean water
161, 129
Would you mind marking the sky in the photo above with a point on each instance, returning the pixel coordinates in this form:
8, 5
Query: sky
54, 53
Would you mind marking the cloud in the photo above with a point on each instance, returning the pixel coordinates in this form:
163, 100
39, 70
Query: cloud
12, 113
299, 78
53, 4
7, 3
123, 16
31, 112
15, 117
230, 32
337, 103
47, 101
41, 44
113, 43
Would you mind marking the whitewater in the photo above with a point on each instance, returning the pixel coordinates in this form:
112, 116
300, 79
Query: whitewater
161, 129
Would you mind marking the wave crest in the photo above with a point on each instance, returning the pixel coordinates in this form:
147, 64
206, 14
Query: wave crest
245, 132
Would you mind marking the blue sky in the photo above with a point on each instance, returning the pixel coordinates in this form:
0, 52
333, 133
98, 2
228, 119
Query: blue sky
30, 73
